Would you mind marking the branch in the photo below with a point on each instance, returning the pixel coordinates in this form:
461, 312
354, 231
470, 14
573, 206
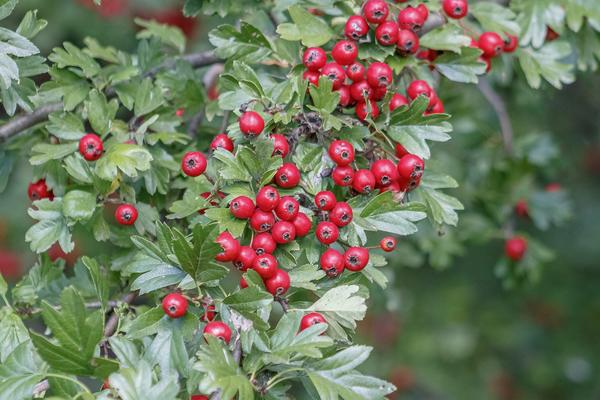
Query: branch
111, 324
499, 107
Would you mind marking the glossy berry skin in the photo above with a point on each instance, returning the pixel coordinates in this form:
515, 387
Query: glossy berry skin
245, 258
314, 58
334, 72
280, 145
341, 152
388, 244
379, 75
283, 232
193, 163
510, 44
364, 181
394, 188
251, 123
230, 247
243, 283
209, 313
311, 319
267, 198
379, 93
411, 18
342, 176
341, 215
356, 27
39, 190
332, 262
218, 329
356, 258
325, 200
242, 207
410, 167
222, 141
262, 221
400, 150
397, 101
344, 52
279, 284
265, 265
312, 77
515, 248
91, 147
263, 243
491, 44
376, 11
387, 33
345, 97
362, 110
456, 9
302, 224
424, 11
408, 42
360, 90
287, 209
437, 108
126, 214
175, 305
327, 232
385, 172
417, 88
198, 397
287, 176
206, 195
356, 72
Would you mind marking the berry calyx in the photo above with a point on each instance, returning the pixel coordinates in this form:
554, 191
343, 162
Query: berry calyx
515, 248
356, 258
39, 190
364, 181
325, 200
456, 9
311, 319
251, 123
218, 329
387, 33
342, 176
332, 262
229, 245
385, 172
126, 214
356, 27
341, 215
314, 58
491, 44
279, 284
341, 152
222, 141
91, 147
302, 224
265, 265
193, 163
287, 176
376, 11
175, 305
242, 207
263, 243
287, 209
327, 232
388, 244
245, 258
281, 146
283, 232
267, 198
262, 221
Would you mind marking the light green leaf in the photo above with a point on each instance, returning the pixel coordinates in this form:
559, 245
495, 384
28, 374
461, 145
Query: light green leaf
44, 152
342, 304
448, 37
128, 158
547, 63
79, 204
495, 17
167, 34
147, 98
101, 112
71, 56
462, 68
52, 226
313, 31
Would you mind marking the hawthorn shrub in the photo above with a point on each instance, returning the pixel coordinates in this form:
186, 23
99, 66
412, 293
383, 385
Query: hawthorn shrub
245, 196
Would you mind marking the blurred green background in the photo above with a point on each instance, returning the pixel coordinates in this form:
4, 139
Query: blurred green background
438, 334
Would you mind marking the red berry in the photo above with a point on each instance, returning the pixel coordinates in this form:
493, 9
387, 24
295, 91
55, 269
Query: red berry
287, 209
511, 43
362, 110
311, 319
344, 52
335, 73
193, 163
287, 176
491, 44
206, 195
355, 72
302, 224
455, 8
209, 313
488, 64
385, 172
341, 152
400, 151
387, 33
356, 27
230, 247
325, 200
515, 248
314, 58
39, 190
222, 141
553, 187
175, 305
408, 42
551, 34
408, 184
199, 397
429, 54
242, 207
522, 209
126, 214
364, 181
279, 283
388, 244
360, 90
437, 107
342, 176
394, 188
251, 123
341, 215
376, 11
218, 329
267, 198
262, 221
411, 18
410, 167
327, 232
417, 88
332, 262
312, 77
283, 232
243, 283
265, 265
91, 147
345, 96
245, 258
356, 258
379, 75
263, 243
280, 145
397, 101
424, 11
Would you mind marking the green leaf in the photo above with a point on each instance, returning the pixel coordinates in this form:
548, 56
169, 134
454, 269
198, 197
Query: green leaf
232, 169
66, 126
323, 96
248, 44
30, 25
128, 158
12, 43
199, 255
7, 161
20, 372
12, 333
534, 17
312, 31
44, 152
549, 208
146, 324
79, 204
147, 98
52, 227
249, 299
155, 274
169, 35
464, 67
99, 280
305, 276
9, 71
495, 18
341, 304
288, 341
71, 56
101, 113
547, 63
192, 8
442, 207
448, 37
7, 7
140, 383
71, 87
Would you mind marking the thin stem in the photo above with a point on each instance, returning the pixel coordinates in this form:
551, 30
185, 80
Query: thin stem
499, 107
112, 323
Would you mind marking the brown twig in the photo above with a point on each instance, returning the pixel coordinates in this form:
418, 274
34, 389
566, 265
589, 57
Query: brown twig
499, 107
113, 320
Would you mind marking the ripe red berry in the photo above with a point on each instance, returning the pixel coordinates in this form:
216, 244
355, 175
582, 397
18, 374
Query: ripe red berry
342, 176
360, 90
180, 112
198, 397
341, 215
417, 88
379, 93
251, 123
387, 33
245, 258
311, 319
334, 72
206, 195
356, 258
312, 77
522, 209
491, 44
280, 145
376, 11
287, 176
39, 190
362, 110
455, 8
394, 188
332, 262
424, 11
209, 313
218, 329
126, 214
242, 207
511, 43
222, 141
429, 54
344, 52
265, 265
262, 221
515, 248
243, 283
174, 305
411, 18
302, 224
230, 247
279, 283
385, 172
356, 27
553, 187
364, 181
400, 151
193, 163
408, 42
91, 147
397, 101
379, 75
551, 34
325, 200
388, 244
437, 107
341, 152
283, 232
355, 72
314, 58
345, 97
488, 64
267, 198
327, 232
410, 167
287, 209
263, 243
